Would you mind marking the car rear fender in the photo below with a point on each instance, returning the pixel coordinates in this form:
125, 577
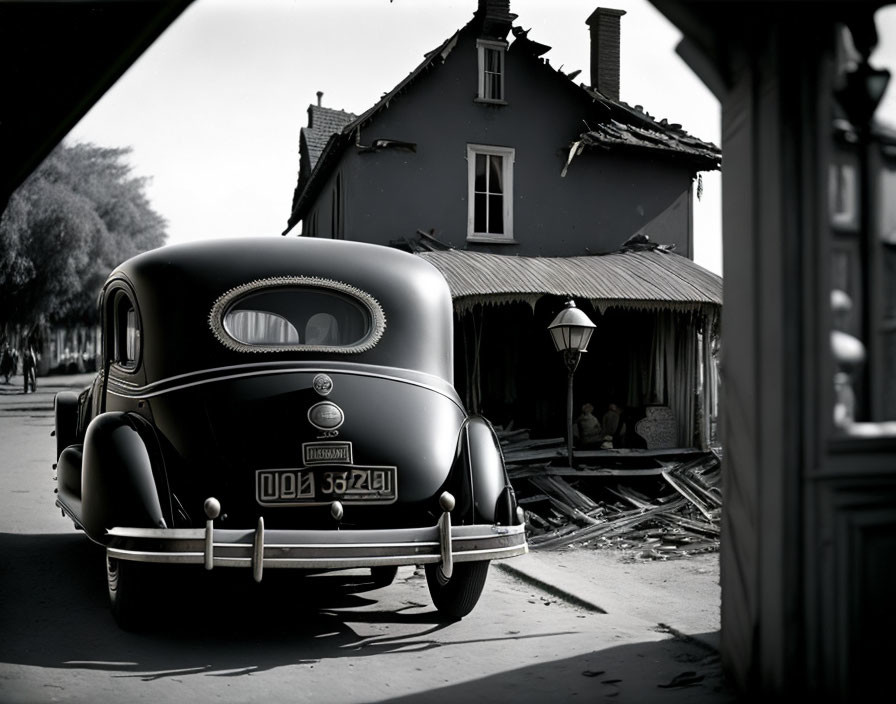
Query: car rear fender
118, 487
493, 500
66, 411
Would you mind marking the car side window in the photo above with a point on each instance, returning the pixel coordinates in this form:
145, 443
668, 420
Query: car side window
297, 313
131, 338
124, 331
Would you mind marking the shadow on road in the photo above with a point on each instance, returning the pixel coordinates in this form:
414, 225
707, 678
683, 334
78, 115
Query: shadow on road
55, 614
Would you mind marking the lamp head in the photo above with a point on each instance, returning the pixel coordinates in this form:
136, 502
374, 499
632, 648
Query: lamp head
571, 329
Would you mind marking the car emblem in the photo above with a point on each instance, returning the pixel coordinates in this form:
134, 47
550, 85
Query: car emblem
323, 384
325, 415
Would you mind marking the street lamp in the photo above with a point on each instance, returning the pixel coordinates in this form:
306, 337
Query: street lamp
571, 331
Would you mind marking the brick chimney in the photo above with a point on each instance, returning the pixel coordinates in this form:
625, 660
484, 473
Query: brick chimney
496, 17
605, 55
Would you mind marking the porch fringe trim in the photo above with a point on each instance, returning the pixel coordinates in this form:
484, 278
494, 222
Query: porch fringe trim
467, 304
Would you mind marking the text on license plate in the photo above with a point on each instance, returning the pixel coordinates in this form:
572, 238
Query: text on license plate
310, 485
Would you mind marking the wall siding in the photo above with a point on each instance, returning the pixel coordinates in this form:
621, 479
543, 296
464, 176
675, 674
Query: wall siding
604, 198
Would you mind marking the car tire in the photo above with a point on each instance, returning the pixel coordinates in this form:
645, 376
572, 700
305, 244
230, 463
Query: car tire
383, 576
129, 585
457, 596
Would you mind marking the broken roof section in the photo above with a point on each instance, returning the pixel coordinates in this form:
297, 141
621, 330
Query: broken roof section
616, 125
646, 135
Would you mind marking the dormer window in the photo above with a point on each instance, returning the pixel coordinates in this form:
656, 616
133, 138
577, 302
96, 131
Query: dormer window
491, 70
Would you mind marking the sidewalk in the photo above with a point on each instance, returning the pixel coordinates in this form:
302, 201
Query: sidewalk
681, 596
12, 395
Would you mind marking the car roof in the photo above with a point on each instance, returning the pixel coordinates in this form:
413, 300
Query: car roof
176, 287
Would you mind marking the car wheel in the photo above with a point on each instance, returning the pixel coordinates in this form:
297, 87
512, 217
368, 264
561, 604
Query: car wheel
129, 586
383, 576
457, 596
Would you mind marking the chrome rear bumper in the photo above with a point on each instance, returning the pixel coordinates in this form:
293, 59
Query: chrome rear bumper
259, 549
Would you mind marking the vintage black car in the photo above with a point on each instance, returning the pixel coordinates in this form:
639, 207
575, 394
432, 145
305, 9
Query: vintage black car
272, 402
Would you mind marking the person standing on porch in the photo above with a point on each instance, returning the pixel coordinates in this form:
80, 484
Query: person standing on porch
587, 429
613, 426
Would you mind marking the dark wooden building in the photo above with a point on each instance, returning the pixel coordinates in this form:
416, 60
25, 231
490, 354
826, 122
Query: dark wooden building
809, 488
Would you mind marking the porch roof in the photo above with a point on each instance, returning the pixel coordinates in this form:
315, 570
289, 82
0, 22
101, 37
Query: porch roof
650, 279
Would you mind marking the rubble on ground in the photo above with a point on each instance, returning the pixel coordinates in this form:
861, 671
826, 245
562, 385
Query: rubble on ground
652, 504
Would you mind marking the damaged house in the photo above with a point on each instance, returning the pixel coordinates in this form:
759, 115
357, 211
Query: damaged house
525, 188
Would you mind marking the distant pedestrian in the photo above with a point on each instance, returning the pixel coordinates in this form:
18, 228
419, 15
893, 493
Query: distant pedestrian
8, 363
29, 368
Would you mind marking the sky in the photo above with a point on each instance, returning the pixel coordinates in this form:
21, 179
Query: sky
213, 110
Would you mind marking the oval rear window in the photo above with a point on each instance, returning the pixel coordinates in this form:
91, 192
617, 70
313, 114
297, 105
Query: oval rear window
297, 313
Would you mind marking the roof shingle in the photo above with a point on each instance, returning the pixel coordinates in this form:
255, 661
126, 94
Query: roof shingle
322, 124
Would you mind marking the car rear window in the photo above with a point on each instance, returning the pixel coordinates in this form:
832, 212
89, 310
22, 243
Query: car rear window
297, 313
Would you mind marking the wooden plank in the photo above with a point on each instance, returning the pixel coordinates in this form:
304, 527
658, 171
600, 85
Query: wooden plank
590, 532
582, 456
571, 512
552, 485
533, 455
512, 436
634, 500
688, 494
521, 471
703, 528
709, 494
533, 499
660, 526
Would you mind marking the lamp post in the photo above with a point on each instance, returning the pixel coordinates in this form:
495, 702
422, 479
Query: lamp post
571, 331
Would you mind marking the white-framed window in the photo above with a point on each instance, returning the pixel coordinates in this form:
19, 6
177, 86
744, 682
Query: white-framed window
489, 193
491, 70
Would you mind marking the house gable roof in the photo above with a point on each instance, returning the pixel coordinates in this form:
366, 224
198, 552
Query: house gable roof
337, 141
616, 126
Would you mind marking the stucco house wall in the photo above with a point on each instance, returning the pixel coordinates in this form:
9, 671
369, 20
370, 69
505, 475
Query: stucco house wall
602, 198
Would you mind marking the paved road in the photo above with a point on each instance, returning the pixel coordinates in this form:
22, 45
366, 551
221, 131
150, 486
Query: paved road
225, 639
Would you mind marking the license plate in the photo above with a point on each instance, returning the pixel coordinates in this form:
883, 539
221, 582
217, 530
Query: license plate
321, 485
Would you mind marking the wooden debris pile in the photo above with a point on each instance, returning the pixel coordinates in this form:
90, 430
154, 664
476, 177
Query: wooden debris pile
654, 504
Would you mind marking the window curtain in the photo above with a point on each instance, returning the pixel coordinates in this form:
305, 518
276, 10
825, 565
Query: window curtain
495, 195
668, 375
471, 328
708, 377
